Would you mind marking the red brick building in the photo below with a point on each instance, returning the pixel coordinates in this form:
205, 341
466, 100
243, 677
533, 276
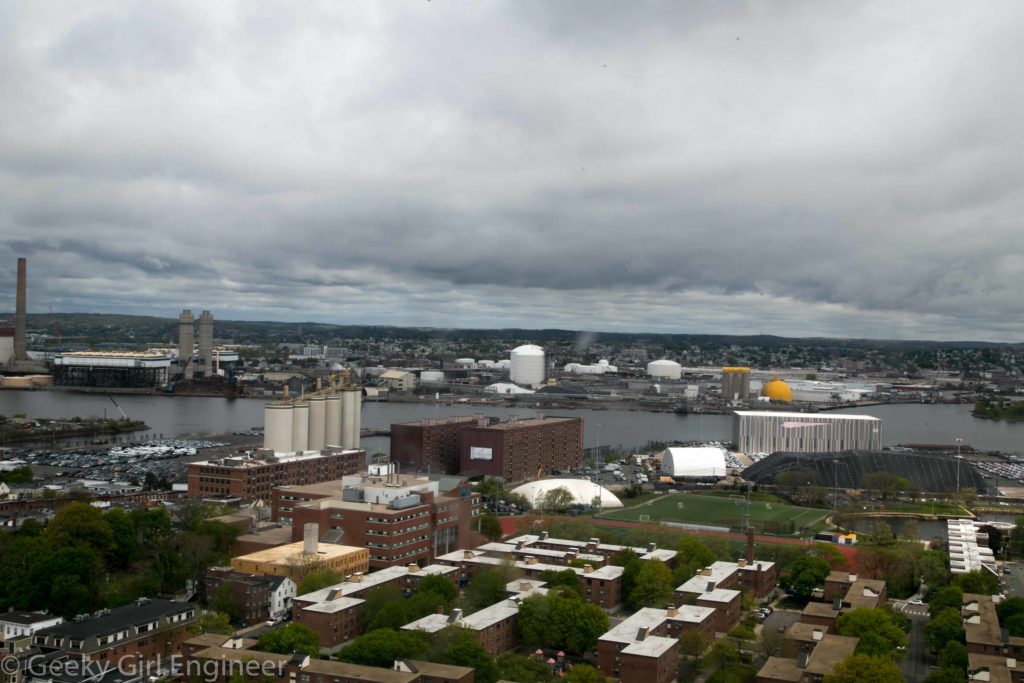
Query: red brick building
250, 478
431, 445
644, 648
518, 450
399, 518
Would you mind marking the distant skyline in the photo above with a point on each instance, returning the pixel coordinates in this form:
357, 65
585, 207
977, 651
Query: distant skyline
811, 169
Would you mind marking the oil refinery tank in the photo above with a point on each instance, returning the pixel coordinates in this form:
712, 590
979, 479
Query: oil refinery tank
332, 421
527, 365
348, 418
300, 427
431, 377
317, 423
668, 369
277, 428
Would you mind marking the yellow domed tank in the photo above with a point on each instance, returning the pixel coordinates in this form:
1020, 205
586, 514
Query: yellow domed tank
777, 390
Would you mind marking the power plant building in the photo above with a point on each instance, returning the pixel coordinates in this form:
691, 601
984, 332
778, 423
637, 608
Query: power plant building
111, 369
528, 365
735, 384
771, 431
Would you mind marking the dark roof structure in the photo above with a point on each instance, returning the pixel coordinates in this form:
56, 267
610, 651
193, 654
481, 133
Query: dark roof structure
931, 472
108, 621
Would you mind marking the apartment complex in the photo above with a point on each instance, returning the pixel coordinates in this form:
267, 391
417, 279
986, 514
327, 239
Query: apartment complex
399, 518
432, 445
249, 478
644, 648
522, 449
257, 598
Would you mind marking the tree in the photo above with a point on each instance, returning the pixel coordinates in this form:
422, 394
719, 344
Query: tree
290, 639
317, 580
80, 524
557, 499
933, 568
946, 676
513, 667
566, 579
806, 574
224, 601
435, 583
212, 622
490, 527
555, 621
886, 484
981, 582
460, 647
584, 673
953, 656
378, 600
861, 668
947, 596
384, 646
878, 631
486, 588
653, 586
693, 642
945, 626
722, 653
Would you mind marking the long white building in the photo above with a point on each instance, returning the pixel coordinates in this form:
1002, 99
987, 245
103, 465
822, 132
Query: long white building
768, 431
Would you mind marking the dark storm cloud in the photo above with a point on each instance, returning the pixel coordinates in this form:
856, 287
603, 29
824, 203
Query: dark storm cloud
848, 170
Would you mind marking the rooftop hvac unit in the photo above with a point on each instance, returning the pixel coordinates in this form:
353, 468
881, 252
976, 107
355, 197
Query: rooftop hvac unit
404, 502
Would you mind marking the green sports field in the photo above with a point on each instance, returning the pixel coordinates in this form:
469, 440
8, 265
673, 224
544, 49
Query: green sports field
776, 516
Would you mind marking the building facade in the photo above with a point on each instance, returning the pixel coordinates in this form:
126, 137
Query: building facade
251, 478
766, 431
431, 445
522, 450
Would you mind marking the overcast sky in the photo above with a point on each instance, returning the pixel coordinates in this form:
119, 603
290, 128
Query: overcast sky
816, 168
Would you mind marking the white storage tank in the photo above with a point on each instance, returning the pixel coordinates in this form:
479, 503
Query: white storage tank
357, 420
465, 363
431, 377
332, 421
348, 418
668, 369
317, 423
277, 428
527, 365
300, 427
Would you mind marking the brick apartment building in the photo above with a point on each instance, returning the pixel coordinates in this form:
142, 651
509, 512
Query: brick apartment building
145, 629
431, 445
399, 518
335, 612
644, 648
251, 478
519, 449
257, 598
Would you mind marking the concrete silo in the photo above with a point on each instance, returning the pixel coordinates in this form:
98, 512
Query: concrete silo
186, 342
348, 418
332, 421
527, 365
206, 342
317, 423
300, 427
277, 428
357, 419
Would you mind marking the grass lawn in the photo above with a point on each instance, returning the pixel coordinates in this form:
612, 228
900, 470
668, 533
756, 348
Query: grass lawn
717, 511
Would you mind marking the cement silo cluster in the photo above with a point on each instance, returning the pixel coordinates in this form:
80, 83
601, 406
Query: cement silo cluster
735, 383
665, 369
332, 417
527, 367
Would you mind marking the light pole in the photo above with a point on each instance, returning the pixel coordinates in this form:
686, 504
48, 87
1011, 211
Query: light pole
835, 488
958, 459
597, 451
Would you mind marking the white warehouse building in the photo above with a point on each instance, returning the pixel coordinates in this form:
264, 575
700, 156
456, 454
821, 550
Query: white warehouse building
527, 365
667, 369
768, 431
598, 368
701, 462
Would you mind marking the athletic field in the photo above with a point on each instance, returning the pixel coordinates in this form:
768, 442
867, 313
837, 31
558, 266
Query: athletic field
774, 517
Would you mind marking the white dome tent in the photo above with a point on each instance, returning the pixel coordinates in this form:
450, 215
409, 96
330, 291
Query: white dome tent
583, 492
694, 462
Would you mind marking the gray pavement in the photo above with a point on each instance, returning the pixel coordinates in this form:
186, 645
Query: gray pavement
915, 664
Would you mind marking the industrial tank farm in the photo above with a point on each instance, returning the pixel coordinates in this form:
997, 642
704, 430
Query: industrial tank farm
667, 369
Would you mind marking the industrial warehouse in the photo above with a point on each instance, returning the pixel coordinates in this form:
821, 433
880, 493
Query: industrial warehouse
771, 431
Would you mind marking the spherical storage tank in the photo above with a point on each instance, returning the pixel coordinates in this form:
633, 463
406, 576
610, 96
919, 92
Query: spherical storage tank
527, 365
665, 368
777, 390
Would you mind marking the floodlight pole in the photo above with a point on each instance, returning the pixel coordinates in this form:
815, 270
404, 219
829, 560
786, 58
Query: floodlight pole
835, 488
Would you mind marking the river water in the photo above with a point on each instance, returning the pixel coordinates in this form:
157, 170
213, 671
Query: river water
179, 416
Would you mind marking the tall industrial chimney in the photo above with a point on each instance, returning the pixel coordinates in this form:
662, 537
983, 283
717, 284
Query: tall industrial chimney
186, 342
206, 342
310, 538
20, 350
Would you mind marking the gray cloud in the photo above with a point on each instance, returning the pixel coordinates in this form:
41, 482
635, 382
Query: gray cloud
848, 170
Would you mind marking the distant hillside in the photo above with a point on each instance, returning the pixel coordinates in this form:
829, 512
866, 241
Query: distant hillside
105, 328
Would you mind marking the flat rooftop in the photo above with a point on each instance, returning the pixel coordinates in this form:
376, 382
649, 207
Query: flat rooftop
283, 554
529, 422
806, 416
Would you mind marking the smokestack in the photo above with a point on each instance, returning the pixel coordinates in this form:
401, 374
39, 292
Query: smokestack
206, 342
750, 544
186, 342
310, 538
20, 350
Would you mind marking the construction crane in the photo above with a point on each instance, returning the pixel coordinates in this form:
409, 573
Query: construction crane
123, 415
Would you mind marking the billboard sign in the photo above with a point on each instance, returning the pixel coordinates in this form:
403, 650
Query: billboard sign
480, 453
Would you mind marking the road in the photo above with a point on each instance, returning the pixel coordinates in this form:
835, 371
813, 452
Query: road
1014, 578
915, 665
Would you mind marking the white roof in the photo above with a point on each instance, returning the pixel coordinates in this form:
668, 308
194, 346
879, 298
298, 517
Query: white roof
664, 362
528, 350
583, 492
694, 462
507, 388
806, 416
